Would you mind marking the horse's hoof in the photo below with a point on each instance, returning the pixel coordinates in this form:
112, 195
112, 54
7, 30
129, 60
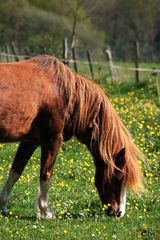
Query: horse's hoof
47, 214
4, 211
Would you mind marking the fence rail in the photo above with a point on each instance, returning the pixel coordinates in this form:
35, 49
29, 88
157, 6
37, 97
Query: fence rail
115, 71
22, 57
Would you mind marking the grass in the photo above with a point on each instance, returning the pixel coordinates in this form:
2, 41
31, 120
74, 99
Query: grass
73, 197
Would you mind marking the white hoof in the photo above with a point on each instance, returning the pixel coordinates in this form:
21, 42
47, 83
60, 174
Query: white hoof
45, 214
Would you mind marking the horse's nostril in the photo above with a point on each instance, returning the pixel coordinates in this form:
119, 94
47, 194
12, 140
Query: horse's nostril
119, 213
111, 212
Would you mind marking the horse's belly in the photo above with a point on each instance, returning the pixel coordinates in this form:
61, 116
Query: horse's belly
14, 124
8, 136
14, 131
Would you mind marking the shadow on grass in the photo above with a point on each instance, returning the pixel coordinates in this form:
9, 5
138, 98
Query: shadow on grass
19, 217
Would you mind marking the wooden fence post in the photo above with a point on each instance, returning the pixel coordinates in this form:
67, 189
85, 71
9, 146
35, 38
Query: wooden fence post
74, 59
158, 87
110, 63
44, 50
65, 52
156, 75
0, 54
137, 58
14, 50
90, 64
27, 53
7, 52
2, 57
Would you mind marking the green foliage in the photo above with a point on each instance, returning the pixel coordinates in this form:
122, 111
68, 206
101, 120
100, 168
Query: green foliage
126, 21
43, 24
73, 196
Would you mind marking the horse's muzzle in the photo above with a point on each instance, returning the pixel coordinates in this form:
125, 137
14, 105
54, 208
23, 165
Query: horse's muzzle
111, 212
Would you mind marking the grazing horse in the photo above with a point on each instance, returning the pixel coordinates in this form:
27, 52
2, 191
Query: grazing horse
42, 103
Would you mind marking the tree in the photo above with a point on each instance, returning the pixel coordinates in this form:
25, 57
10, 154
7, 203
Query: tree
126, 21
42, 24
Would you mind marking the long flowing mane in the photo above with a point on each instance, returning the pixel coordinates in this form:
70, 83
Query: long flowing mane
92, 109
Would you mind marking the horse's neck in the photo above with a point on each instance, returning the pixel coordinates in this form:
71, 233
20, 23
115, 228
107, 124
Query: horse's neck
81, 115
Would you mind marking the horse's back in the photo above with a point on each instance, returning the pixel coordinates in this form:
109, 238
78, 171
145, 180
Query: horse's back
22, 92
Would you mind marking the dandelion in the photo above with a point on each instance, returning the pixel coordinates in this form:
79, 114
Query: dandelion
58, 204
65, 231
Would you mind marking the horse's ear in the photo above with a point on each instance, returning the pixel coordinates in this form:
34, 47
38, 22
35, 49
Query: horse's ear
119, 160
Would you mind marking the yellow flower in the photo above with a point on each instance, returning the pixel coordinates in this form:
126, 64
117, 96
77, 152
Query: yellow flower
58, 204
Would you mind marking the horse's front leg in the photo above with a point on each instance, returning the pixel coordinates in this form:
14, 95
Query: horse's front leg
24, 152
49, 152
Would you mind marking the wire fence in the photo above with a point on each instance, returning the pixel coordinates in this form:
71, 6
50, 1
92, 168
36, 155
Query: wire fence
117, 68
105, 69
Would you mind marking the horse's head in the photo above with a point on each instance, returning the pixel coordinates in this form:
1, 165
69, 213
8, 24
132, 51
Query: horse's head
112, 190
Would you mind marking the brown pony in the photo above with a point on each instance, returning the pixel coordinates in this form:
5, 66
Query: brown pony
42, 103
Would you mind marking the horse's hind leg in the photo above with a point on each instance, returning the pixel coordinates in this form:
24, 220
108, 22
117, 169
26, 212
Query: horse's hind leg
24, 152
49, 152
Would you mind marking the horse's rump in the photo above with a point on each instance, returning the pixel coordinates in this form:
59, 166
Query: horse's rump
22, 91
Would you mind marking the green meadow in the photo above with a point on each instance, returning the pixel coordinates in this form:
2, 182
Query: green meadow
73, 197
